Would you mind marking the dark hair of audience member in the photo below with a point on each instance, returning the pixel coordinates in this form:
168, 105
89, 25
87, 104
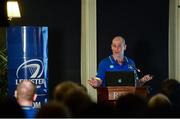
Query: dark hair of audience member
73, 95
131, 105
83, 88
62, 88
77, 101
171, 88
53, 110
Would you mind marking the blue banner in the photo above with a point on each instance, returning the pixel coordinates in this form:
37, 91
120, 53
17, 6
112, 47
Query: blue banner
28, 59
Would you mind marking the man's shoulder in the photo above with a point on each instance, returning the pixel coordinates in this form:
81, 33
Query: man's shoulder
106, 59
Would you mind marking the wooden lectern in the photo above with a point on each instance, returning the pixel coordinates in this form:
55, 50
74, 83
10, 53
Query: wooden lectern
111, 93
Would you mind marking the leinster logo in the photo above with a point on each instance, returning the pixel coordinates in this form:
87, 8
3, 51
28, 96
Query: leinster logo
31, 69
111, 66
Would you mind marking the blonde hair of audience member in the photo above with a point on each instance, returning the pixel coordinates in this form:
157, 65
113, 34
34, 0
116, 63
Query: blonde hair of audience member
26, 93
158, 99
159, 104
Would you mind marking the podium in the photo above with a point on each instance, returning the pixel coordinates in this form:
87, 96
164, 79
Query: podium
110, 94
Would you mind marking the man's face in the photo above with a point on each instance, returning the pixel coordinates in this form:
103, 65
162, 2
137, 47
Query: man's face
118, 46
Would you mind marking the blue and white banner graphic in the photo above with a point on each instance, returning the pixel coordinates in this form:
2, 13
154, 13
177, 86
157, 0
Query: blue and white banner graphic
28, 59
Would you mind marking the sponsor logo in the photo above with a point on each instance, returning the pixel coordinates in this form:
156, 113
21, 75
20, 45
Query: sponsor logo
111, 66
31, 70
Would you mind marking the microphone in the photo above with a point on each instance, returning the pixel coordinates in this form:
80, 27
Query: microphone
134, 68
137, 71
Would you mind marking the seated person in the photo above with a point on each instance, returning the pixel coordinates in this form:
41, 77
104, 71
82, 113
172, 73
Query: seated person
25, 95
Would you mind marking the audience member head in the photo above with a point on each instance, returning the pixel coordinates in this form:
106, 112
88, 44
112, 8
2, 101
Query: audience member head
159, 105
77, 101
26, 93
131, 105
53, 110
73, 96
171, 88
62, 88
83, 87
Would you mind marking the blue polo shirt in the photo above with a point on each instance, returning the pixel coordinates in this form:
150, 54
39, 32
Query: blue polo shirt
109, 64
29, 111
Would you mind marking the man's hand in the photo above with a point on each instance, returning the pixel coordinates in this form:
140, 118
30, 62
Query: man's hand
95, 82
146, 78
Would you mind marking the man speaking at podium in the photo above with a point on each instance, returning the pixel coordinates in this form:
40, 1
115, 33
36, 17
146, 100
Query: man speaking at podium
116, 62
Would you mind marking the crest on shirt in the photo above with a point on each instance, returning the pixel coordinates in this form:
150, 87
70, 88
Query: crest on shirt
111, 66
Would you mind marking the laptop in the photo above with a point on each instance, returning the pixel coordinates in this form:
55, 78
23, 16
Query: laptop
121, 78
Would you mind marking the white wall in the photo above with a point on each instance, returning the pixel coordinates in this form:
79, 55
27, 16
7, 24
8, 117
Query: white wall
174, 39
88, 44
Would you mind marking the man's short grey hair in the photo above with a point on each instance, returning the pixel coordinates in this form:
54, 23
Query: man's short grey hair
119, 37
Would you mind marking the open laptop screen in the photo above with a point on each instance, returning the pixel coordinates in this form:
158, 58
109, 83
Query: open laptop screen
121, 78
